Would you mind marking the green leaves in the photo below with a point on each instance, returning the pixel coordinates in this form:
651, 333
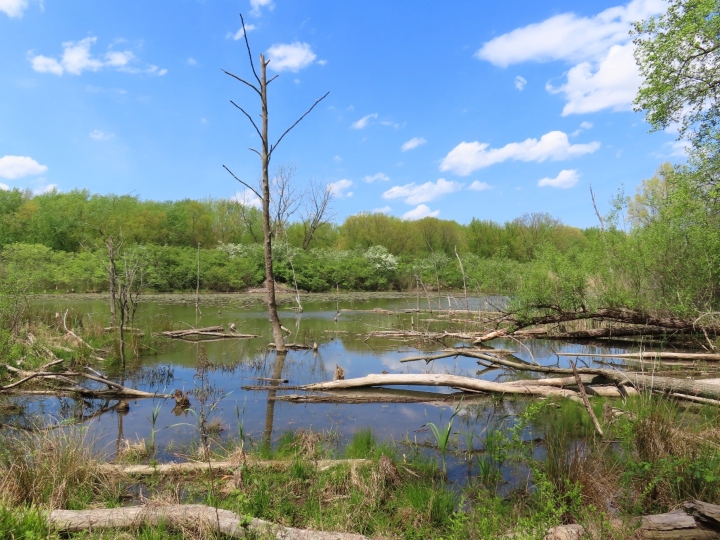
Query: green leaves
679, 58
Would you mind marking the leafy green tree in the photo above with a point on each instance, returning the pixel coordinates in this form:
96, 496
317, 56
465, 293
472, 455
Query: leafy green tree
679, 58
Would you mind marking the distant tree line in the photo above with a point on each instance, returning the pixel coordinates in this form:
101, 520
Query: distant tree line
63, 238
77, 220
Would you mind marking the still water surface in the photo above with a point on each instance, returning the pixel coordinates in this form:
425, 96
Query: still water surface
339, 325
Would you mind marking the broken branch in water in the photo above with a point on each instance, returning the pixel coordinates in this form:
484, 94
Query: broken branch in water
67, 383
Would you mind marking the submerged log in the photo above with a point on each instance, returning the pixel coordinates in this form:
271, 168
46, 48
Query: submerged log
378, 395
196, 516
296, 346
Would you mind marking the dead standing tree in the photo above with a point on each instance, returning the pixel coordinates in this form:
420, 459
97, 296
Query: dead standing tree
265, 154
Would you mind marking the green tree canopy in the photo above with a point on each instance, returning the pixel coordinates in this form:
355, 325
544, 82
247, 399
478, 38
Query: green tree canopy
679, 58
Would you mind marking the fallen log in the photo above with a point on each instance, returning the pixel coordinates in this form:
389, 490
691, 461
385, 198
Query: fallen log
378, 395
695, 520
296, 346
638, 380
652, 355
196, 516
429, 379
192, 331
220, 466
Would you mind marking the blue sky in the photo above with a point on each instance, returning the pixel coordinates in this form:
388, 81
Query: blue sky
455, 109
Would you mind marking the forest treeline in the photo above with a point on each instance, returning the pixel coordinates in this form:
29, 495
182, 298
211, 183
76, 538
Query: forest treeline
60, 239
78, 221
657, 251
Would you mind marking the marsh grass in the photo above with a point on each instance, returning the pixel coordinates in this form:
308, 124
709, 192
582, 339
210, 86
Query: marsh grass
54, 468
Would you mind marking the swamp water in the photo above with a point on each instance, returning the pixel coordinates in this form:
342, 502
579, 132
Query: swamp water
339, 324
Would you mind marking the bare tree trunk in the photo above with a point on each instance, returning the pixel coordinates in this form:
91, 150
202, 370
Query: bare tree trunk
265, 154
267, 231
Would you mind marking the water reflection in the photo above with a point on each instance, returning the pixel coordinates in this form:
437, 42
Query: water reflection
341, 329
272, 393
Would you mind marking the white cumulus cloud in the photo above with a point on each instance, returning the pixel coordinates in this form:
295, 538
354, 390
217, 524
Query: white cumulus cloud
604, 74
468, 157
413, 143
378, 176
340, 188
422, 211
383, 210
13, 167
416, 194
477, 185
256, 6
610, 84
290, 56
4, 187
76, 58
44, 64
566, 179
239, 34
364, 121
520, 82
13, 8
99, 135
569, 37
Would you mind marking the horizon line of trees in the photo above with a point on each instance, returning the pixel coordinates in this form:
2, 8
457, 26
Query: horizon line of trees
78, 221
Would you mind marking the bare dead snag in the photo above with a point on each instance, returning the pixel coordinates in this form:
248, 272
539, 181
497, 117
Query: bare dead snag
265, 154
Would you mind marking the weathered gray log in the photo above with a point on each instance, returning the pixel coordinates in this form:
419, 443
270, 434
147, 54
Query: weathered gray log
653, 355
638, 380
219, 466
430, 379
192, 331
698, 521
295, 346
197, 516
675, 525
378, 395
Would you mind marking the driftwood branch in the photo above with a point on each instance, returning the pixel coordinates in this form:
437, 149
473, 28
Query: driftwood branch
72, 334
585, 400
66, 383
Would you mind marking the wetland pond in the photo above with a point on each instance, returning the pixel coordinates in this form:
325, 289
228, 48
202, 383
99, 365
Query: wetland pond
340, 325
